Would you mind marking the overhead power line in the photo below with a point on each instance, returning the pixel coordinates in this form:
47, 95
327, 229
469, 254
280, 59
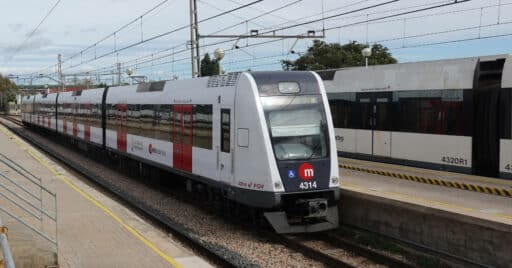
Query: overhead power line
455, 2
136, 60
117, 50
118, 30
33, 32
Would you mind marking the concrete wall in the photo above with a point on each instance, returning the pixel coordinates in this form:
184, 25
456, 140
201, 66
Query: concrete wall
467, 237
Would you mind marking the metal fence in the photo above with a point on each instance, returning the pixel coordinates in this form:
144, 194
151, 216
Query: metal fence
25, 200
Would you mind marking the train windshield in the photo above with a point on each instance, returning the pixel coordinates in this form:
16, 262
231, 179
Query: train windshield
298, 127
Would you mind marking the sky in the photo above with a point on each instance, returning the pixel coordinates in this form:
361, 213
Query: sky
465, 29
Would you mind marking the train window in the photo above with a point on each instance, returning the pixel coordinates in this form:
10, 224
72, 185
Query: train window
144, 116
365, 113
383, 116
343, 109
202, 126
163, 121
225, 132
432, 111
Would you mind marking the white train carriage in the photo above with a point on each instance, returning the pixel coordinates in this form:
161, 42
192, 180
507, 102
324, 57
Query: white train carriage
79, 115
27, 106
448, 114
44, 111
265, 139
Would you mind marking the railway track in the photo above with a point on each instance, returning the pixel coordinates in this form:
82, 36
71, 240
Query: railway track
337, 251
14, 119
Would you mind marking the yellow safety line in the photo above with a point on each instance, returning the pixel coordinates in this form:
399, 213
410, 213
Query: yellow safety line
407, 197
95, 202
431, 172
446, 183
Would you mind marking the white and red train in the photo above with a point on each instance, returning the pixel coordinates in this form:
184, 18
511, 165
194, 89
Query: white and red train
263, 139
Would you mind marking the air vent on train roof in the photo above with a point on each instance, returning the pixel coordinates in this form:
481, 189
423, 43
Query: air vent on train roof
225, 80
151, 87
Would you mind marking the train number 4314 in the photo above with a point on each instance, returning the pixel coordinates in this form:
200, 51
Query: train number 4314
305, 185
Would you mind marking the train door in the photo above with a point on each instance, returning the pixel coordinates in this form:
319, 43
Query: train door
376, 116
121, 120
225, 156
182, 137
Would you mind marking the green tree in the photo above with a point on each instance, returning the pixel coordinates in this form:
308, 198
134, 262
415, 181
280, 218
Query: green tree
209, 66
322, 56
8, 90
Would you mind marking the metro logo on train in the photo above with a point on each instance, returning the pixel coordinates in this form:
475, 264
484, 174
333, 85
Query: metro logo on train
306, 171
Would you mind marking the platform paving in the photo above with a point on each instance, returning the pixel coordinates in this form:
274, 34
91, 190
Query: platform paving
94, 230
480, 205
429, 173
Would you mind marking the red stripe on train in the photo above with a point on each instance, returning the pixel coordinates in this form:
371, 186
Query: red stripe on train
121, 140
87, 132
75, 129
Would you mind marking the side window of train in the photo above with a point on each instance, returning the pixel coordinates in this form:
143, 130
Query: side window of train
343, 109
202, 126
432, 111
225, 133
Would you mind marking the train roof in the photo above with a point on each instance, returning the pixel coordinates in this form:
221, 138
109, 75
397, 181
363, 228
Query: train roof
438, 74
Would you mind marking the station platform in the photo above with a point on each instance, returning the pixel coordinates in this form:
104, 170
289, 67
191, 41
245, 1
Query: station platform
93, 229
468, 227
481, 197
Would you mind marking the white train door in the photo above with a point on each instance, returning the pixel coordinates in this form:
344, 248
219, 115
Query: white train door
376, 111
225, 152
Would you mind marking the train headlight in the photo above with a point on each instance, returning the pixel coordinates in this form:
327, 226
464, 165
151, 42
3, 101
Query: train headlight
335, 180
277, 185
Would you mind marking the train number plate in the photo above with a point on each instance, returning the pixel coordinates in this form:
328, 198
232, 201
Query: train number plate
454, 160
306, 185
508, 167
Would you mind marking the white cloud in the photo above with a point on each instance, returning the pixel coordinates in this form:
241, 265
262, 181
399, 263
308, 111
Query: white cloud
75, 25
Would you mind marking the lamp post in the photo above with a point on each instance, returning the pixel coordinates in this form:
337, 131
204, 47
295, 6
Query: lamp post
219, 55
367, 52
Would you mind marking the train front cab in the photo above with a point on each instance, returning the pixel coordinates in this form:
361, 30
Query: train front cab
300, 152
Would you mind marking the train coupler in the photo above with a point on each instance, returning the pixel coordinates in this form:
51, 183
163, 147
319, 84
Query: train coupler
280, 221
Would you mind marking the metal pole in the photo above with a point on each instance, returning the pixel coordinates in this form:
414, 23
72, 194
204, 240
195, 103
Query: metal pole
118, 73
196, 26
59, 69
6, 250
192, 37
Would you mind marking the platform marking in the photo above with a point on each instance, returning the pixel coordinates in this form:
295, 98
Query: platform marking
407, 198
452, 184
91, 199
